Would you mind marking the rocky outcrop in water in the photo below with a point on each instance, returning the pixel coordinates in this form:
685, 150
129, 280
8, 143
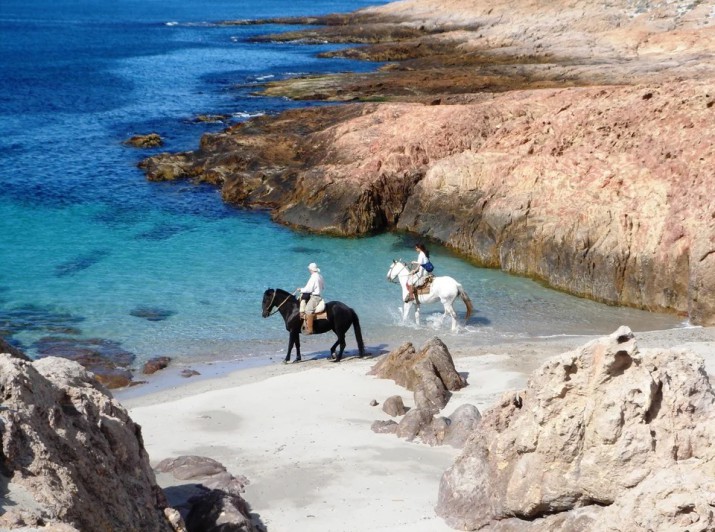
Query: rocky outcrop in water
606, 437
568, 142
150, 140
71, 456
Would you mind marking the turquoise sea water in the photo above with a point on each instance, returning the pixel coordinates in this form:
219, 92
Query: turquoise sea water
89, 249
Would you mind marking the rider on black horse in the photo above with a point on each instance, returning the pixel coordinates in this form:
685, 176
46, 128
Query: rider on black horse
311, 295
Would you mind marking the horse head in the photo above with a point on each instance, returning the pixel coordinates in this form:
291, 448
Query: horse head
268, 299
395, 269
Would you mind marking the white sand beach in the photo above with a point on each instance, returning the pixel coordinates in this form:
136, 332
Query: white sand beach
301, 433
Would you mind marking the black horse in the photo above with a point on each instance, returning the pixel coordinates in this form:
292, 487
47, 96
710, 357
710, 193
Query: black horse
340, 318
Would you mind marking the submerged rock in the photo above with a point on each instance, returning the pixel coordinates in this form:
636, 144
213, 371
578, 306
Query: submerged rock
152, 313
106, 359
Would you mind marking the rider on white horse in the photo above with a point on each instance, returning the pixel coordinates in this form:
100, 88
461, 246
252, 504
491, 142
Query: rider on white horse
443, 289
418, 272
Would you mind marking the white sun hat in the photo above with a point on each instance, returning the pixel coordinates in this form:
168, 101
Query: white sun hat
313, 267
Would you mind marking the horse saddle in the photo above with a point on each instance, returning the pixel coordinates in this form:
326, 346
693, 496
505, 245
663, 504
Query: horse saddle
424, 288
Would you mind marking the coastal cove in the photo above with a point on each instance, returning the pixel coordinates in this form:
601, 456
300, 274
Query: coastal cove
555, 159
102, 261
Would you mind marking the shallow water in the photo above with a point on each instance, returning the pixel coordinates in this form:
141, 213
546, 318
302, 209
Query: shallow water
90, 249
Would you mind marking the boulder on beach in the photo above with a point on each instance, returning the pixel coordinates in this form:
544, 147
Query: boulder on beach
605, 437
71, 455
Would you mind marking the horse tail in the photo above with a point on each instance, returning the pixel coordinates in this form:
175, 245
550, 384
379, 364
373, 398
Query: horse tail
467, 301
358, 333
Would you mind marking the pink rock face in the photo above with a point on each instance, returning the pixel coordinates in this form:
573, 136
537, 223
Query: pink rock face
603, 192
623, 433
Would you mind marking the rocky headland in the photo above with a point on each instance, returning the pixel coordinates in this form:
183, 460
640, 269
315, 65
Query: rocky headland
568, 142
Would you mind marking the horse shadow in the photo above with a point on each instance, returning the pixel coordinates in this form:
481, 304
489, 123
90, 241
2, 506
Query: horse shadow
368, 353
478, 320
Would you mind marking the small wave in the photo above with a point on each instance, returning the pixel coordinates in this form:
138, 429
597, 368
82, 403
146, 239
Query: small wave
267, 76
190, 24
244, 115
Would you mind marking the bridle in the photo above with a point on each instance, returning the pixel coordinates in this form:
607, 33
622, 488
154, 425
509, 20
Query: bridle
394, 278
278, 306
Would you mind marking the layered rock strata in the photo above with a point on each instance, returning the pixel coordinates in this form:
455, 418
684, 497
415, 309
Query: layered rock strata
601, 191
606, 437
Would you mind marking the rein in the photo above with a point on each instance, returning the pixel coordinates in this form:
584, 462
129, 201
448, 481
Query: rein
395, 277
278, 306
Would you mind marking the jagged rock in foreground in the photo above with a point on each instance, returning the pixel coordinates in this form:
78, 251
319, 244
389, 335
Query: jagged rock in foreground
431, 375
607, 438
72, 452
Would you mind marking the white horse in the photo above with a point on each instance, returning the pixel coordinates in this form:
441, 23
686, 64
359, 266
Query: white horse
444, 289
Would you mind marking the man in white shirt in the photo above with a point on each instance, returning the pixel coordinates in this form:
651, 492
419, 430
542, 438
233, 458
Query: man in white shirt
310, 296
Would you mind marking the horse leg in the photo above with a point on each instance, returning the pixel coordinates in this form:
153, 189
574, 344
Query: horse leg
290, 348
341, 341
406, 310
332, 349
293, 340
417, 315
444, 315
297, 346
449, 309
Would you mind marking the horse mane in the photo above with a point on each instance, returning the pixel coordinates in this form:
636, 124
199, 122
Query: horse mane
283, 293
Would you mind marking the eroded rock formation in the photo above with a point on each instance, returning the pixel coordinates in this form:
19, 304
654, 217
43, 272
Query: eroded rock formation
606, 437
72, 453
567, 142
429, 373
431, 376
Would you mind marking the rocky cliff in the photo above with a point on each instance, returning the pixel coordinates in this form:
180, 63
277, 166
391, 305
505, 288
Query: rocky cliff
568, 142
71, 458
605, 438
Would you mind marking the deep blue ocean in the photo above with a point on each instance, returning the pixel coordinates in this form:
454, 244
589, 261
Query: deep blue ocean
90, 250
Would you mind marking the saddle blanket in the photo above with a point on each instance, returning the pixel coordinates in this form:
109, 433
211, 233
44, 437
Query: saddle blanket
424, 287
321, 316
